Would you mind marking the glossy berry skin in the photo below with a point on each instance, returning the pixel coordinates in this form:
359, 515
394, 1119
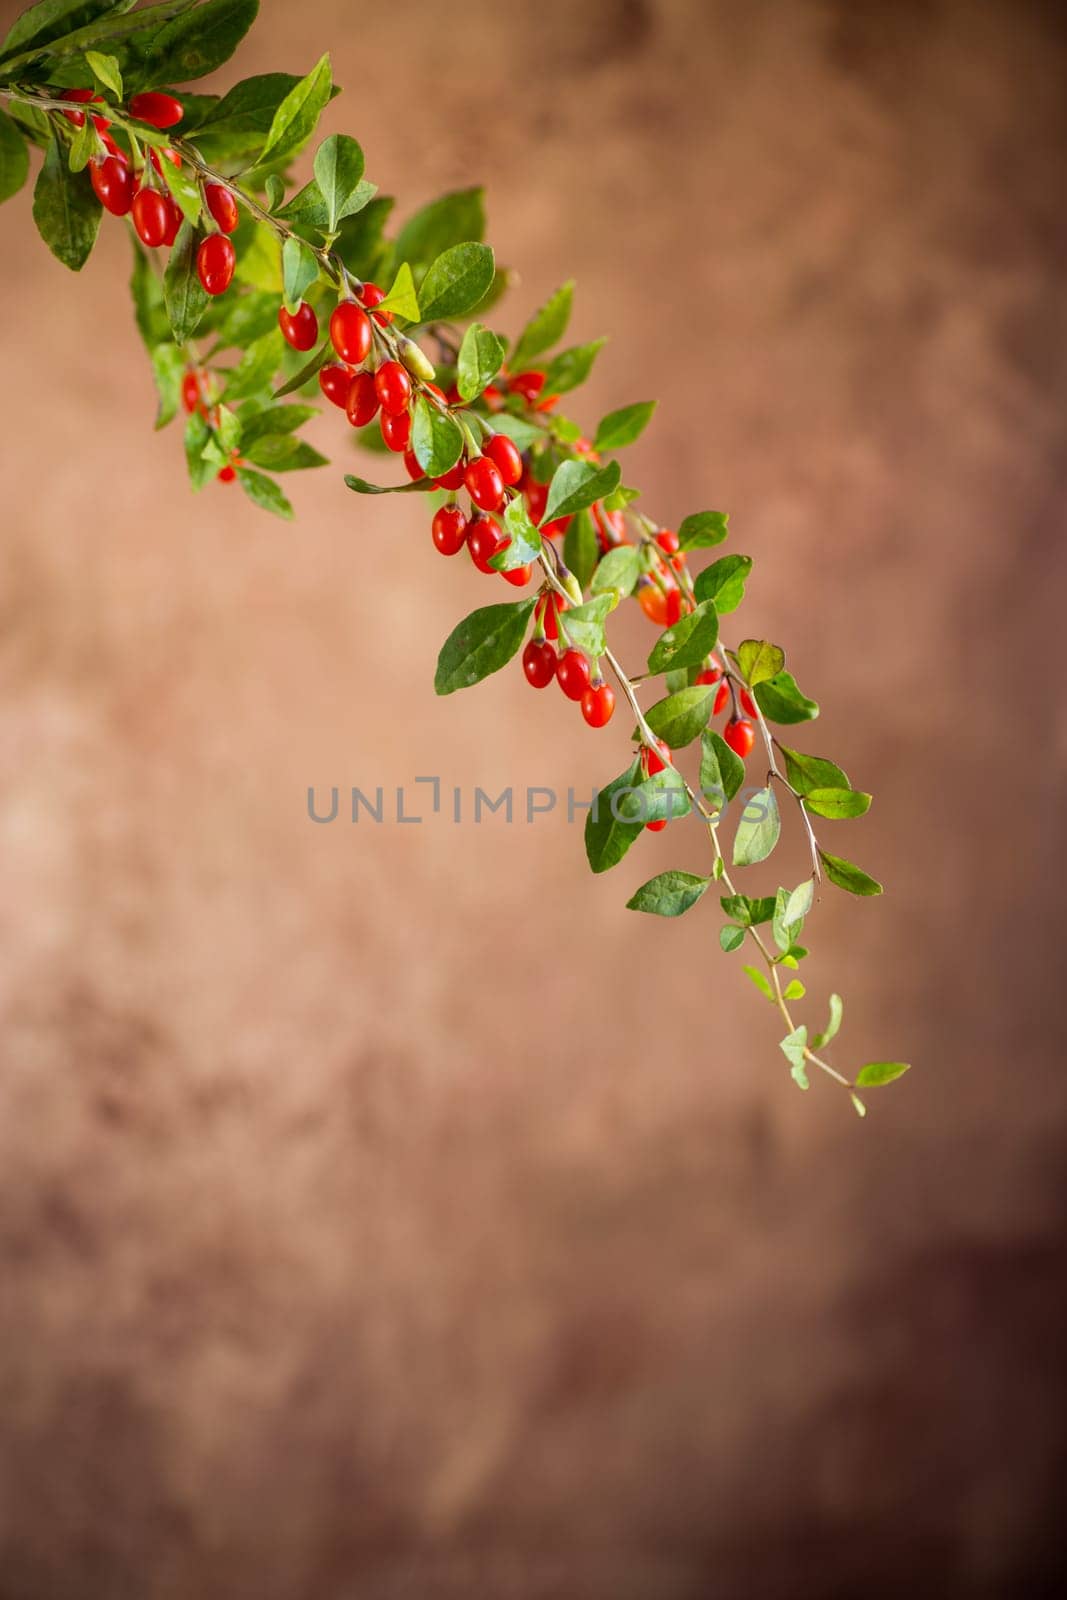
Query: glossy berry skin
598, 705
667, 540
539, 663
454, 479
721, 699
396, 430
528, 384
301, 328
393, 386
656, 827
335, 381
484, 539
175, 218
518, 576
748, 705
709, 675
80, 97
546, 614
350, 331
449, 530
362, 402
158, 110
504, 455
740, 735
655, 760
413, 466
227, 473
373, 296
572, 674
223, 207
215, 261
536, 499
190, 391
151, 217
484, 484
661, 605
113, 185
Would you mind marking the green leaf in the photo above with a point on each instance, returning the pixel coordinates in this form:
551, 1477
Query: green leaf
191, 46
847, 876
669, 894
168, 369
256, 368
761, 983
14, 158
681, 717
402, 300
481, 644
522, 433
794, 990
50, 20
436, 438
607, 835
806, 773
283, 452
837, 1011
300, 268
702, 530
723, 583
264, 492
837, 802
659, 797
274, 419
361, 486
338, 170
792, 1047
759, 660
236, 126
524, 544
750, 913
458, 279
722, 772
875, 1073
297, 117
781, 701
84, 147
66, 210
622, 427
183, 292
150, 313
583, 626
858, 1106
575, 485
197, 440
619, 570
686, 643
581, 550
571, 367
105, 69
322, 355
731, 937
481, 356
453, 219
758, 830
544, 329
797, 905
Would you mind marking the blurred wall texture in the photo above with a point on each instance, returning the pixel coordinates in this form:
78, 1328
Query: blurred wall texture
387, 1212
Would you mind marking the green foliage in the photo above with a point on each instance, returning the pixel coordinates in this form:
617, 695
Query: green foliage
608, 836
183, 293
436, 438
456, 282
581, 552
758, 830
264, 492
702, 530
571, 367
681, 717
481, 644
722, 772
848, 876
575, 485
624, 426
298, 114
688, 642
339, 175
545, 328
481, 356
453, 219
617, 571
875, 1073
780, 700
723, 583
669, 894
66, 210
299, 271
759, 660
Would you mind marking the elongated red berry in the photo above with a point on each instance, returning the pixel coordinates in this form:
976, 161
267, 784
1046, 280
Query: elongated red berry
721, 699
191, 391
223, 206
572, 673
740, 735
350, 331
546, 613
113, 185
151, 217
667, 540
158, 110
157, 158
362, 403
80, 97
175, 218
484, 539
748, 705
454, 478
505, 456
215, 261
484, 484
413, 466
598, 704
335, 381
449, 530
396, 430
393, 386
710, 674
536, 499
373, 296
519, 577
299, 328
539, 663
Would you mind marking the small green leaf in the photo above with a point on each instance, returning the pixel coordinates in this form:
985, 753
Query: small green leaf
781, 700
436, 438
66, 210
797, 905
361, 486
806, 773
235, 127
731, 937
481, 356
524, 544
544, 329
794, 990
688, 642
792, 1047
296, 118
322, 355
619, 571
761, 983
759, 660
607, 836
197, 41
283, 452
185, 297
300, 268
702, 530
571, 367
14, 158
847, 876
669, 894
402, 300
875, 1073
264, 492
750, 913
168, 369
105, 69
661, 797
274, 420
197, 440
583, 626
253, 373
521, 433
50, 20
449, 220
622, 427
581, 550
681, 717
837, 1012
339, 173
758, 830
837, 802
481, 644
722, 772
723, 583
456, 282
84, 147
575, 485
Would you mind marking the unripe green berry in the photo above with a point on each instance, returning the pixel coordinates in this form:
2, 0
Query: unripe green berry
416, 360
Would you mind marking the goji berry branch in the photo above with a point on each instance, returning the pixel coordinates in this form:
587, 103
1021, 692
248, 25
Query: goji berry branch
484, 421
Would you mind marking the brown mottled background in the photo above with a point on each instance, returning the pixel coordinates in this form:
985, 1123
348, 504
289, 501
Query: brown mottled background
388, 1212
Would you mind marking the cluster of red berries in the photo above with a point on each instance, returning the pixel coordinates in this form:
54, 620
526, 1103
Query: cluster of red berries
542, 661
197, 396
739, 733
144, 195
